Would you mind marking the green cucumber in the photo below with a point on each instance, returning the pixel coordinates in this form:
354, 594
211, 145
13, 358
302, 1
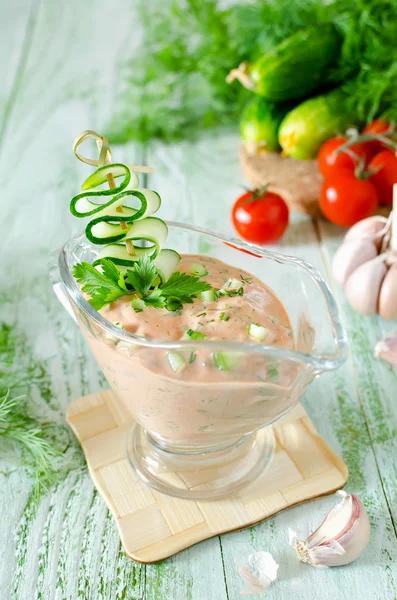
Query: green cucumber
198, 270
166, 263
100, 177
259, 125
176, 361
257, 332
299, 66
118, 254
226, 361
311, 123
151, 229
114, 221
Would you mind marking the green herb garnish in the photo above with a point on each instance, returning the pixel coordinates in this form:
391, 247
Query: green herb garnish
184, 83
245, 279
103, 287
110, 284
17, 426
143, 275
195, 335
224, 317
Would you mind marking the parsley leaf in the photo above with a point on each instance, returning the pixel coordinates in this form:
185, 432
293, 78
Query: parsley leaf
102, 288
155, 299
182, 287
143, 275
106, 286
110, 271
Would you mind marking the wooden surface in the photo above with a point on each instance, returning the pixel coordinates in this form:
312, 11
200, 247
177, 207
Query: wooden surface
154, 526
58, 70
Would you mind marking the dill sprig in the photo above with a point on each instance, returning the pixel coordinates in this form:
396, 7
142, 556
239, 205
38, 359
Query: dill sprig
38, 454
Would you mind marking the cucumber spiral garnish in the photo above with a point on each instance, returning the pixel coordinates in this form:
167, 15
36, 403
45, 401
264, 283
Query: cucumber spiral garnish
125, 232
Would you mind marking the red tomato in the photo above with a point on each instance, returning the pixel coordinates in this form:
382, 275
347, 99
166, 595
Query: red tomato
377, 126
329, 161
386, 177
260, 216
345, 200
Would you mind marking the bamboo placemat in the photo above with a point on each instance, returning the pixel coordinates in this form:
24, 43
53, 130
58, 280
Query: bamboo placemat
154, 526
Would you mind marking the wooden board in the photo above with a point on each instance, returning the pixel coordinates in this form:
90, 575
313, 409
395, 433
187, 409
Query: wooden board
154, 526
297, 181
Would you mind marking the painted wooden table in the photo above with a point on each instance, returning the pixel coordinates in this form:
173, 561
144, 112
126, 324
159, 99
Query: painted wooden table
58, 71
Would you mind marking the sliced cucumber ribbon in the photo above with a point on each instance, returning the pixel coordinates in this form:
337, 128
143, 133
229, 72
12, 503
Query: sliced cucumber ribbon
116, 223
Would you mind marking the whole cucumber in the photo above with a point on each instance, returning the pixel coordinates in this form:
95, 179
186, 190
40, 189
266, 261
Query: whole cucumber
259, 125
307, 126
297, 67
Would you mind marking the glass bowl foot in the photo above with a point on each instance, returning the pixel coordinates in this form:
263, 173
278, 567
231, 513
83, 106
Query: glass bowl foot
199, 473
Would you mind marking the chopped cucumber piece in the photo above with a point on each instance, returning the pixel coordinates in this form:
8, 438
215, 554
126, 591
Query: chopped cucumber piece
176, 361
257, 332
130, 348
112, 338
198, 270
233, 285
208, 296
138, 304
231, 292
226, 361
195, 335
224, 317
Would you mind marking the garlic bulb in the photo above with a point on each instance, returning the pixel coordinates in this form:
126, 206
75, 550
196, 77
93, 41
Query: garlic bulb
387, 349
388, 295
351, 255
372, 228
341, 538
366, 265
363, 286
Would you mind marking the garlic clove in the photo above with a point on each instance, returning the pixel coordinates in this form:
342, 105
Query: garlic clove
341, 538
351, 255
387, 349
363, 286
388, 295
258, 572
369, 229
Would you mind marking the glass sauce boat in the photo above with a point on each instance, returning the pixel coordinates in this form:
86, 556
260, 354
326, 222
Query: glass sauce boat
205, 439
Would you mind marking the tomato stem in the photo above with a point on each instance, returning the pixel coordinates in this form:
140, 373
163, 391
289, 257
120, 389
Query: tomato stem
385, 138
256, 194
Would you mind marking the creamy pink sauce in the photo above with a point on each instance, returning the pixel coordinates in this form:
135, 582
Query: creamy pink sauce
201, 404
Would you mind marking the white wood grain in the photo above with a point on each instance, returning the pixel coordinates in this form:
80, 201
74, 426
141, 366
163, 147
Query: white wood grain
17, 19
